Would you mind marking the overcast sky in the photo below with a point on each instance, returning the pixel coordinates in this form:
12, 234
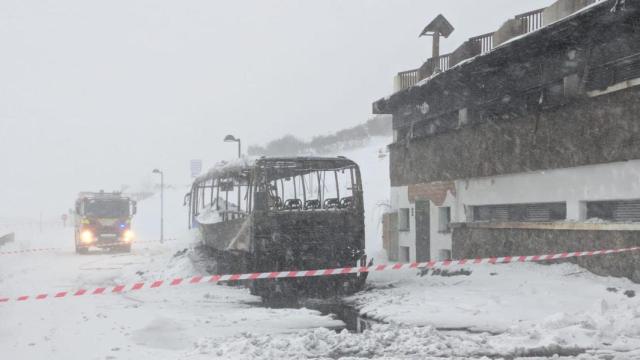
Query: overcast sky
95, 94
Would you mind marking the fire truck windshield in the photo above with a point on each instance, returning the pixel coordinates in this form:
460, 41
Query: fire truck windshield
107, 208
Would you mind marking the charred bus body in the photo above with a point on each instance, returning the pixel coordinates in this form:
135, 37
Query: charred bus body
277, 214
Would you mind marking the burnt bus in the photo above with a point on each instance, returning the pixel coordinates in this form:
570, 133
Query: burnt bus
278, 214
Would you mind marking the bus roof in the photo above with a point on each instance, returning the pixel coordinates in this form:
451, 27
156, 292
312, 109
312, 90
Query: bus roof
276, 167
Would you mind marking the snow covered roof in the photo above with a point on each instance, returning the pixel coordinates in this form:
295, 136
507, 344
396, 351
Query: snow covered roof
579, 21
227, 168
102, 195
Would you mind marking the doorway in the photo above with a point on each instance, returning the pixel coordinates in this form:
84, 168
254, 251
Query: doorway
423, 231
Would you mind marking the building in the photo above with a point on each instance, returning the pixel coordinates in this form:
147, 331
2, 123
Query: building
522, 141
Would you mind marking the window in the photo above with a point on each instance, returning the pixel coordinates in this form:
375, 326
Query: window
311, 189
623, 211
463, 117
444, 219
521, 212
403, 220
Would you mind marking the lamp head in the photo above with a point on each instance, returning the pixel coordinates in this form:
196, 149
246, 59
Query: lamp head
230, 138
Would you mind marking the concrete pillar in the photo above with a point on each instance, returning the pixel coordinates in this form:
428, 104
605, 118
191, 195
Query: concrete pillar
576, 210
436, 48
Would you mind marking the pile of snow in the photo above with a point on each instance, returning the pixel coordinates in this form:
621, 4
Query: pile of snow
389, 342
380, 341
209, 215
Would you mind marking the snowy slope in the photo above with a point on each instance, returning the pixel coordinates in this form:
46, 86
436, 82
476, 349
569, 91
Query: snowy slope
146, 222
376, 184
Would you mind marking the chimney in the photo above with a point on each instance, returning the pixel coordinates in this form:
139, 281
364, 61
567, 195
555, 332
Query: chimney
440, 26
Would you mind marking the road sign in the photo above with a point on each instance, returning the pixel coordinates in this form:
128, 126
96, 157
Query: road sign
196, 167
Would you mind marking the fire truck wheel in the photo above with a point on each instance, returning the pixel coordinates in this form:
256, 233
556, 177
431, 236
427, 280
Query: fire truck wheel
81, 250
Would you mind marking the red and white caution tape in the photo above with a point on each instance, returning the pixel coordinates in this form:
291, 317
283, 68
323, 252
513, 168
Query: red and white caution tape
200, 279
39, 250
27, 251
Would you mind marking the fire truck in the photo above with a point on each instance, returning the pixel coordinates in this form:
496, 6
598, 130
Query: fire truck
103, 220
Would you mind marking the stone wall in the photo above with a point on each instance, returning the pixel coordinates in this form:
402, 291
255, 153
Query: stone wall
471, 241
590, 131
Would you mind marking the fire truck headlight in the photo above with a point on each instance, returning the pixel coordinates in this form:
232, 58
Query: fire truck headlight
86, 236
128, 236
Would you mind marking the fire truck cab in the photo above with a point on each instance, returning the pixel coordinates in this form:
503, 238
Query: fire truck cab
103, 220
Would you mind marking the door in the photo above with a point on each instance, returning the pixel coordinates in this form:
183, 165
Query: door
423, 231
390, 235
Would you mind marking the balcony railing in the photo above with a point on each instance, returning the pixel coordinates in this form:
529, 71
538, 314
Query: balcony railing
485, 41
429, 67
531, 21
410, 78
407, 79
444, 62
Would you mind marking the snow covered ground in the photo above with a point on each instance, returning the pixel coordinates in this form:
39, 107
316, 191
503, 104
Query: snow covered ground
145, 325
516, 306
496, 311
510, 311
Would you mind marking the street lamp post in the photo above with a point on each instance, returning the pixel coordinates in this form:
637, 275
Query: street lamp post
156, 171
231, 138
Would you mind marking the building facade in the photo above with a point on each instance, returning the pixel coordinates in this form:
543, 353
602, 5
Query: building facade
530, 134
